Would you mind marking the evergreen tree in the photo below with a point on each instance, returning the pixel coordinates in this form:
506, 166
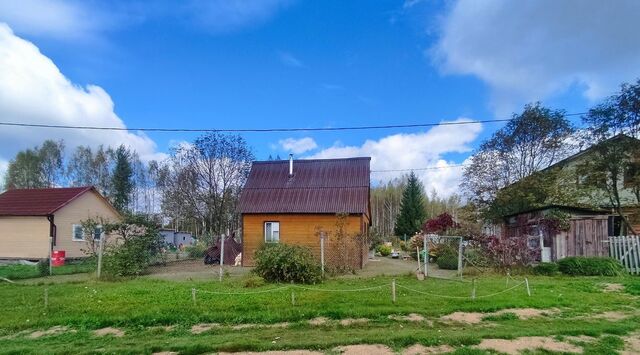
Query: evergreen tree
412, 212
122, 179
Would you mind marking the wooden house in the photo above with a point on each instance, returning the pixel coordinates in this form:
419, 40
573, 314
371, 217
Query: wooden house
30, 218
290, 201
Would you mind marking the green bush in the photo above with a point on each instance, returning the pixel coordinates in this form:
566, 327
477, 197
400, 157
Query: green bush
384, 250
286, 263
43, 267
197, 250
447, 261
253, 281
590, 266
547, 269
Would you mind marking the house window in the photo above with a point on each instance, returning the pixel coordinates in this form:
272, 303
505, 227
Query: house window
272, 232
78, 235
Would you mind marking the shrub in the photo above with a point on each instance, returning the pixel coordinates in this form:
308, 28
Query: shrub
286, 263
590, 266
384, 250
547, 269
43, 267
197, 250
253, 281
138, 243
447, 261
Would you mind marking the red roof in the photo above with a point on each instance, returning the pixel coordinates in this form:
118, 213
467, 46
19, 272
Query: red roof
317, 186
38, 202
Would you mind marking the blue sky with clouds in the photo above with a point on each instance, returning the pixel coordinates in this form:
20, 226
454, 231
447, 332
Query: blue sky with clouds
301, 63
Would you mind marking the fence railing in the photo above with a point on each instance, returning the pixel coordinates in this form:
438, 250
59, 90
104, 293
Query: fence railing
627, 250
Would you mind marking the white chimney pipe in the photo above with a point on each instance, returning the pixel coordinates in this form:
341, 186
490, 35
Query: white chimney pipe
290, 165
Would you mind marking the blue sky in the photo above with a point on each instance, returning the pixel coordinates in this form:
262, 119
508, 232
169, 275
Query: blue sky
297, 63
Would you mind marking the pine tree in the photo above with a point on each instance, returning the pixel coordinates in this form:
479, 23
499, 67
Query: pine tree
412, 214
121, 181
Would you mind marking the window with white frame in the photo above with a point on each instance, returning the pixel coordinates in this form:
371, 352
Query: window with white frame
78, 233
272, 232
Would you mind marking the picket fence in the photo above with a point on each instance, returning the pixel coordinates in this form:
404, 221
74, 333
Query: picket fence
627, 250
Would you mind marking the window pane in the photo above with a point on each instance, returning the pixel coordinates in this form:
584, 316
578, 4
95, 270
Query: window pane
77, 232
97, 233
276, 236
267, 232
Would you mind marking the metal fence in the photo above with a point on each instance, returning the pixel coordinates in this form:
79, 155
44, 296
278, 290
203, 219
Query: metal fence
626, 249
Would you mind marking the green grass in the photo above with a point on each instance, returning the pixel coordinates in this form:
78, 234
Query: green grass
138, 305
20, 272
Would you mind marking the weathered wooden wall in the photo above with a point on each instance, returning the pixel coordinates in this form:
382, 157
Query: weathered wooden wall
586, 237
299, 229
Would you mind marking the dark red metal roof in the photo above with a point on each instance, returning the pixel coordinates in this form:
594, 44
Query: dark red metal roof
317, 186
38, 202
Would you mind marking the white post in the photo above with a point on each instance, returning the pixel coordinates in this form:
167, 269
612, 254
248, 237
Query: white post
221, 255
322, 252
526, 281
100, 250
193, 295
460, 258
393, 291
473, 291
418, 254
46, 298
50, 255
293, 298
426, 255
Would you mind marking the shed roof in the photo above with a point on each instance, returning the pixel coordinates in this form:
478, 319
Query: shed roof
38, 202
317, 186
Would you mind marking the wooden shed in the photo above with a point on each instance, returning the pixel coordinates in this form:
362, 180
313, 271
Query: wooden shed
587, 234
290, 201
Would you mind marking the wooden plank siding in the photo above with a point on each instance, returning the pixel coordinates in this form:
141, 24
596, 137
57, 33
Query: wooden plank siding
298, 229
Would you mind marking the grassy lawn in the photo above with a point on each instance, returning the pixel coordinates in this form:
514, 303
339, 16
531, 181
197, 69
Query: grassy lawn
19, 272
158, 315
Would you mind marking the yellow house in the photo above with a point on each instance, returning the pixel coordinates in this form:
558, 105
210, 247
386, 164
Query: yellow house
30, 217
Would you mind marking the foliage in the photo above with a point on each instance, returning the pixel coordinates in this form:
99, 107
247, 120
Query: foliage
547, 269
506, 253
286, 263
201, 182
253, 281
43, 267
531, 141
122, 183
412, 213
137, 243
197, 250
447, 261
590, 266
440, 224
384, 250
37, 167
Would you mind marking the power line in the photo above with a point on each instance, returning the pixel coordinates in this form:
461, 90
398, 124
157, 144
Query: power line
248, 130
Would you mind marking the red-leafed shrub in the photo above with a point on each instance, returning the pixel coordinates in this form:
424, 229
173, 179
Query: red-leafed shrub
439, 224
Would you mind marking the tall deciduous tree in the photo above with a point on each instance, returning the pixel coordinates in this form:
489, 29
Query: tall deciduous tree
51, 155
412, 213
122, 179
203, 180
533, 140
613, 127
24, 171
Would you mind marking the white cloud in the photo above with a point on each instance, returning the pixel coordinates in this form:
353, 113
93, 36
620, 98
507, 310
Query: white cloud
414, 151
530, 50
290, 60
298, 146
33, 90
52, 18
229, 15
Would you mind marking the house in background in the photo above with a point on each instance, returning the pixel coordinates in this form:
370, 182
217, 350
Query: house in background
290, 201
29, 217
176, 238
591, 219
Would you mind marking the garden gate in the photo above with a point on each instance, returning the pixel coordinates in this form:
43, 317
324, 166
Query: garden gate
627, 250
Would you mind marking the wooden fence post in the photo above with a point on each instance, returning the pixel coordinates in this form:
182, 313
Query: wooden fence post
393, 291
221, 255
526, 281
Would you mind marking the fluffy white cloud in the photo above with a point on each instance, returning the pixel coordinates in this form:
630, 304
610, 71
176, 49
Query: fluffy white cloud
298, 146
33, 90
415, 151
529, 50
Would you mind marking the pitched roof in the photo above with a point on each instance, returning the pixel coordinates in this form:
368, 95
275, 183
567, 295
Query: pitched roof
38, 202
317, 186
